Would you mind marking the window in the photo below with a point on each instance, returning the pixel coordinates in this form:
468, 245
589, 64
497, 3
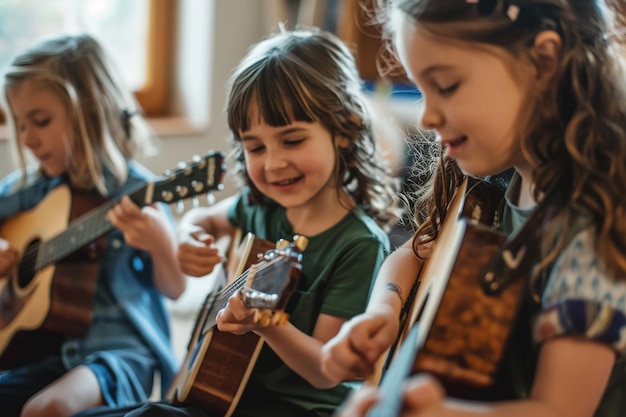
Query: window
138, 34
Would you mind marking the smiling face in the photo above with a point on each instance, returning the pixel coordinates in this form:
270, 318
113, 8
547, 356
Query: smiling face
293, 164
472, 101
42, 125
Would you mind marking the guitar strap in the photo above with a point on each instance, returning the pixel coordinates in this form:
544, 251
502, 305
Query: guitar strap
518, 254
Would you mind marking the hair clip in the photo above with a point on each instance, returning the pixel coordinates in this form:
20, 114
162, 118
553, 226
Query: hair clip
126, 115
485, 7
523, 13
513, 12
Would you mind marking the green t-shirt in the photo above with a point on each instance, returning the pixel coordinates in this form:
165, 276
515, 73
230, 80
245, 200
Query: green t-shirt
338, 269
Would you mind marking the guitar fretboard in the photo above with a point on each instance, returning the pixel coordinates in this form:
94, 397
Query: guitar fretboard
82, 231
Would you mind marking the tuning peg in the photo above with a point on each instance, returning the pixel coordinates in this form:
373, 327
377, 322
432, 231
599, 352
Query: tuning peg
180, 206
210, 198
197, 186
282, 244
194, 201
182, 191
279, 318
167, 196
263, 318
300, 242
199, 161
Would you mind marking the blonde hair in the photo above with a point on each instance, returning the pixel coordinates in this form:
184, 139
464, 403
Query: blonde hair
106, 121
576, 140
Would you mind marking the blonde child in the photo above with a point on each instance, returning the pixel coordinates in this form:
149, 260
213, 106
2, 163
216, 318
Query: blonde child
70, 114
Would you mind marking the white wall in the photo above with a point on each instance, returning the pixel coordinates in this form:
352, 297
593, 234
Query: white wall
214, 36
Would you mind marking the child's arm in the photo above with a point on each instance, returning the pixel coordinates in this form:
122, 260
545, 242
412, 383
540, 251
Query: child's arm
8, 257
299, 351
572, 374
198, 231
353, 353
150, 229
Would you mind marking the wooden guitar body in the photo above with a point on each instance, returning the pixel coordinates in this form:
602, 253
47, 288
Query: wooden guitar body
39, 308
42, 225
218, 364
463, 329
465, 308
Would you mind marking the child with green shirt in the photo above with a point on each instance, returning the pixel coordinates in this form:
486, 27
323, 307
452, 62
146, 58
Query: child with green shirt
303, 146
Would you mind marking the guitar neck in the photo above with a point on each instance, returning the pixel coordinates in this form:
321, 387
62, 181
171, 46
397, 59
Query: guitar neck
204, 175
215, 302
84, 230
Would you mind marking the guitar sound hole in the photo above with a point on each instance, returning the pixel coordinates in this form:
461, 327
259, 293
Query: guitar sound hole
26, 269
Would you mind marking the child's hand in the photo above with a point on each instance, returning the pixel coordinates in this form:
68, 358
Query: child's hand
143, 228
354, 351
197, 252
237, 318
9, 257
422, 397
359, 402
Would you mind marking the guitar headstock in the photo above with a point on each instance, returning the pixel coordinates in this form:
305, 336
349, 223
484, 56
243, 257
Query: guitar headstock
203, 174
273, 279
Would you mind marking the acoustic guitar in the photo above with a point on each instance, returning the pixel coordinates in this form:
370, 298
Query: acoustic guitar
50, 294
218, 364
465, 307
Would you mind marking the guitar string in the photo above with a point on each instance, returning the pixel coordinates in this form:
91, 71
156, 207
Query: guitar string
84, 230
77, 235
35, 262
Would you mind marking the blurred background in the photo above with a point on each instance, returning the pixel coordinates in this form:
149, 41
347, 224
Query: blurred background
177, 56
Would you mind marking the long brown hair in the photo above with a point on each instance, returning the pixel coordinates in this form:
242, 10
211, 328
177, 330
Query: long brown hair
576, 139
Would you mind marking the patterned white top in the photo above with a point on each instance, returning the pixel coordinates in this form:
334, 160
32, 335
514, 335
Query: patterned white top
583, 298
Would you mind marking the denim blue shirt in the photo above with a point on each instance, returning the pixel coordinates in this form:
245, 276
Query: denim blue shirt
129, 313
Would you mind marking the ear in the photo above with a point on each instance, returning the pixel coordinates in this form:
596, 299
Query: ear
547, 48
342, 142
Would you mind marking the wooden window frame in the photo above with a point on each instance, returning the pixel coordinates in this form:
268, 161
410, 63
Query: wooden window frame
355, 28
154, 96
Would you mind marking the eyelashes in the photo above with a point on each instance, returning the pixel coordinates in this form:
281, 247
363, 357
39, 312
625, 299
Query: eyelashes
43, 122
448, 90
37, 123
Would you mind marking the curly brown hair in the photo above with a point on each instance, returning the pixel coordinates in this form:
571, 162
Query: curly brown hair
576, 139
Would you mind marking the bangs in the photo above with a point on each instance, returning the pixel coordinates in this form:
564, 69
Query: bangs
274, 92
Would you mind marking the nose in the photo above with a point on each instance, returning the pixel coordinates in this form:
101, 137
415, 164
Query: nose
29, 138
431, 117
275, 159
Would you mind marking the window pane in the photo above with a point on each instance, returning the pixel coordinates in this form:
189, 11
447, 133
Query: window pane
120, 25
